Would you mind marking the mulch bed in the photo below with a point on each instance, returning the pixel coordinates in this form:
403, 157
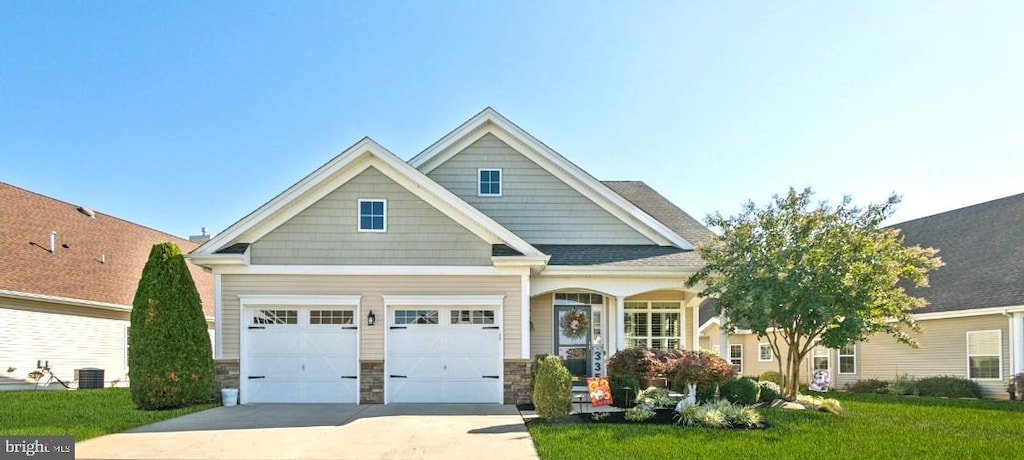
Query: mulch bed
661, 417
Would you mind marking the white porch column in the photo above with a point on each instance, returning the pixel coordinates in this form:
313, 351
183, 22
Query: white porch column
723, 337
1016, 343
620, 322
695, 328
524, 292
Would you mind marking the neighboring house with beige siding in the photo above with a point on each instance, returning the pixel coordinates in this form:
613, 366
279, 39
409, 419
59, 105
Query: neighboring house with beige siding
973, 326
67, 280
378, 280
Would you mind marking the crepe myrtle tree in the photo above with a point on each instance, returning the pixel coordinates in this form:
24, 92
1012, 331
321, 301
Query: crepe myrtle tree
804, 275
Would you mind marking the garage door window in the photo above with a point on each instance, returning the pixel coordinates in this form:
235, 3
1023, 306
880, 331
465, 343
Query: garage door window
331, 317
416, 316
472, 316
276, 317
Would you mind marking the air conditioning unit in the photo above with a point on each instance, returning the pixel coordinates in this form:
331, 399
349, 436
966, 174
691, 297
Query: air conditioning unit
89, 377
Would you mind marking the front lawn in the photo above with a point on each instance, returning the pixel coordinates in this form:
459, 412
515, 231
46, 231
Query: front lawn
82, 413
873, 426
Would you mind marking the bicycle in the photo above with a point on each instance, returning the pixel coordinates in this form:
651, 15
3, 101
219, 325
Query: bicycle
42, 370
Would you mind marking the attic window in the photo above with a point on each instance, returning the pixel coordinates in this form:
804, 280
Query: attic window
489, 182
373, 215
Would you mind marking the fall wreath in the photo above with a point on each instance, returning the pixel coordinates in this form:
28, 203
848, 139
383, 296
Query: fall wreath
574, 323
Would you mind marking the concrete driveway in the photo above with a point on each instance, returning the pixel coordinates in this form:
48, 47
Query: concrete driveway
326, 431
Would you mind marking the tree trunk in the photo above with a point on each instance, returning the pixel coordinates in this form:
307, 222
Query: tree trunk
792, 388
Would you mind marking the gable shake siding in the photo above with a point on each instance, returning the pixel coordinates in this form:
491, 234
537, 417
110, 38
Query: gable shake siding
326, 233
535, 204
371, 289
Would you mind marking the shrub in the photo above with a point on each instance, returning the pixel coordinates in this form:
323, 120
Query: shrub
771, 376
638, 362
1016, 386
552, 392
533, 369
638, 414
624, 389
948, 386
741, 390
699, 367
904, 385
829, 405
655, 398
170, 360
707, 393
867, 386
770, 391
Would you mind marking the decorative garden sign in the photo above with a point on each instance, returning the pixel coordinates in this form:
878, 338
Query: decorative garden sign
600, 391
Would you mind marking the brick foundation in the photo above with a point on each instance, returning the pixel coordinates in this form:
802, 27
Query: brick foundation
226, 374
371, 382
517, 381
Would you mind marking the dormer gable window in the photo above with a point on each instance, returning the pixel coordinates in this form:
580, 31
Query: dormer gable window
489, 182
373, 216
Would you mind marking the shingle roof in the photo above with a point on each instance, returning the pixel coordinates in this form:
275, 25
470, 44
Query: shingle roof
983, 249
103, 259
620, 255
660, 208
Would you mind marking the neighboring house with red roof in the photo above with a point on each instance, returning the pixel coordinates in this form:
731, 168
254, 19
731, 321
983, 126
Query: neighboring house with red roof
972, 327
68, 276
377, 280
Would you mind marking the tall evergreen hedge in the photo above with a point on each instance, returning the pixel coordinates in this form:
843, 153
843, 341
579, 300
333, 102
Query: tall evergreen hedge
170, 362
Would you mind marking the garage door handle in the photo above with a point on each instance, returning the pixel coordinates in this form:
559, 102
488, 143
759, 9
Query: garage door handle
398, 327
257, 327
399, 376
350, 327
490, 376
492, 327
251, 377
348, 377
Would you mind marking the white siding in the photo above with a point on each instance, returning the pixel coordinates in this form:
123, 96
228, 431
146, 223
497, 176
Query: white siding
371, 289
534, 204
326, 232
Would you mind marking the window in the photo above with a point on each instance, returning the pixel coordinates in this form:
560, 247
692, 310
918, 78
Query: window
472, 316
373, 215
276, 317
331, 317
655, 325
736, 357
416, 316
984, 357
490, 182
764, 352
578, 299
848, 359
819, 359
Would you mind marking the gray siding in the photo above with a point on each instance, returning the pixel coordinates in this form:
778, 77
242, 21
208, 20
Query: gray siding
534, 204
326, 233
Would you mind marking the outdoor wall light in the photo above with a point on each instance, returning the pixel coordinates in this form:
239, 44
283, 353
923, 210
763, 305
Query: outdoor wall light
371, 319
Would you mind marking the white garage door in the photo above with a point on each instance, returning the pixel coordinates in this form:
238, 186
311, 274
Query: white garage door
302, 355
443, 355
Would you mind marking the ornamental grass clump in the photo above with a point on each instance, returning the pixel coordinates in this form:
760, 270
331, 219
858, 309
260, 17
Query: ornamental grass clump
639, 414
655, 398
552, 389
719, 414
829, 405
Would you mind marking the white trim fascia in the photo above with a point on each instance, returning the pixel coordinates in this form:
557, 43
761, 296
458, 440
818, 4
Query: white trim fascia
496, 300
353, 161
520, 261
965, 313
492, 122
254, 300
375, 270
210, 260
65, 301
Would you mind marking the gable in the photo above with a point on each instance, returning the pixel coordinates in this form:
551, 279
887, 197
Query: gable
534, 203
325, 233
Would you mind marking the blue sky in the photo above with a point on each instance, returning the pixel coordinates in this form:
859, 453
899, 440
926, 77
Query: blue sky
179, 115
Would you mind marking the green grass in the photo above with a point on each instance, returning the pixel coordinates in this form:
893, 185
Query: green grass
873, 426
84, 413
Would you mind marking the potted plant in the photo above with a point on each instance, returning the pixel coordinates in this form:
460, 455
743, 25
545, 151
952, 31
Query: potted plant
638, 362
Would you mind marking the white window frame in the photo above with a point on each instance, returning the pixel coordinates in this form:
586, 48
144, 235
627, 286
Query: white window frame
649, 310
359, 215
841, 355
999, 354
736, 365
821, 352
501, 181
760, 352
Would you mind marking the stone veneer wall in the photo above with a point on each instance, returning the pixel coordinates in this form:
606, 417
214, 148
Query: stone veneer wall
226, 374
517, 381
371, 382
